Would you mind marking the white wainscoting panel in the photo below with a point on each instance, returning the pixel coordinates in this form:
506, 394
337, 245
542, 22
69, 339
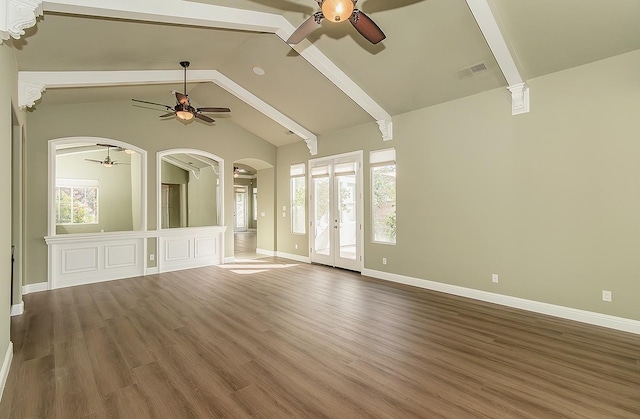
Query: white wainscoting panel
76, 259
193, 247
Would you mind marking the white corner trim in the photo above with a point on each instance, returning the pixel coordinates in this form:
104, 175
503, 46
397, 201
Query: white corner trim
207, 15
519, 98
386, 128
297, 258
151, 271
583, 316
6, 365
38, 287
489, 27
265, 252
29, 93
18, 16
17, 309
229, 259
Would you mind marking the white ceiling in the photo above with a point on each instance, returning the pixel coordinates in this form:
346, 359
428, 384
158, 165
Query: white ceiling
427, 43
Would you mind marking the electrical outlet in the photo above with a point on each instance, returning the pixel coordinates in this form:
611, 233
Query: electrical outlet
606, 296
494, 278
296, 247
152, 257
384, 261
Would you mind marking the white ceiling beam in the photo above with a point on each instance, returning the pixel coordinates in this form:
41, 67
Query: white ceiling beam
182, 165
489, 26
31, 84
199, 14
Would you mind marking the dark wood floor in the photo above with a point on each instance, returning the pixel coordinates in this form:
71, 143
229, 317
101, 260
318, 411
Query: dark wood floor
272, 338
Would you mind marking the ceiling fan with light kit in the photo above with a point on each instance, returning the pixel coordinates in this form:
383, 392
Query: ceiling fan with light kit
183, 108
108, 161
338, 11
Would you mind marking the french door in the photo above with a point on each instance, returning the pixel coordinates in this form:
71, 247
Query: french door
240, 211
335, 209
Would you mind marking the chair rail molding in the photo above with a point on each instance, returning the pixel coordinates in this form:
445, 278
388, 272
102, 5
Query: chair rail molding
18, 16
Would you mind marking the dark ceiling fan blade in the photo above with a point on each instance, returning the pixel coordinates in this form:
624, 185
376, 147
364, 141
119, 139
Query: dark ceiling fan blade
182, 98
153, 103
94, 161
203, 117
115, 163
217, 110
305, 29
366, 27
167, 114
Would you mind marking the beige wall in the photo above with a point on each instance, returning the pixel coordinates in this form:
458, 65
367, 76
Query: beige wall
136, 126
548, 200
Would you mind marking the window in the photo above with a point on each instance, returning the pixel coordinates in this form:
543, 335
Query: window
298, 198
383, 195
76, 201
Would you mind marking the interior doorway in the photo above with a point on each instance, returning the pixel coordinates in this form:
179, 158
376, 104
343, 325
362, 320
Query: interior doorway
241, 208
245, 211
336, 211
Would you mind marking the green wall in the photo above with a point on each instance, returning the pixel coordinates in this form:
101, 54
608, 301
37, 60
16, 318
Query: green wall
137, 126
11, 122
549, 200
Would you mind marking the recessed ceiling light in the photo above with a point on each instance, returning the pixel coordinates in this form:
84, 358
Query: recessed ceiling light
259, 71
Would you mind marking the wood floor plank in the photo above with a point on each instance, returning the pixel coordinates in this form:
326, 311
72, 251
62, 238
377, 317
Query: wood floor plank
272, 338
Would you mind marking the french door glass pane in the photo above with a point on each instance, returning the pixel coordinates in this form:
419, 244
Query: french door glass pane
322, 221
241, 201
347, 214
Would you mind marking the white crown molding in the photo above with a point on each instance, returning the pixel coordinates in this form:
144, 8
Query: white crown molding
18, 16
206, 15
519, 98
491, 30
31, 84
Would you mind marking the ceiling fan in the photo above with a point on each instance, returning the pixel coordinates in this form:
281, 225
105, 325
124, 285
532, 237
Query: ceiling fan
107, 162
338, 11
183, 108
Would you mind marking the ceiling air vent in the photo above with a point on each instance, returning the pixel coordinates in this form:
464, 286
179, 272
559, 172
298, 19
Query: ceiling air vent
472, 71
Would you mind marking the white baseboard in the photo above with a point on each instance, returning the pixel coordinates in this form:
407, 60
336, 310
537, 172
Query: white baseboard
229, 259
583, 316
265, 252
152, 271
17, 309
38, 287
6, 365
297, 258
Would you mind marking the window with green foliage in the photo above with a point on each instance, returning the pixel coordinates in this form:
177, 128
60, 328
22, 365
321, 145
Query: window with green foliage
76, 201
383, 195
298, 198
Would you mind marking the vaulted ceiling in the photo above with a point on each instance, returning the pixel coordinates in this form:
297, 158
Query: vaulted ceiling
425, 59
